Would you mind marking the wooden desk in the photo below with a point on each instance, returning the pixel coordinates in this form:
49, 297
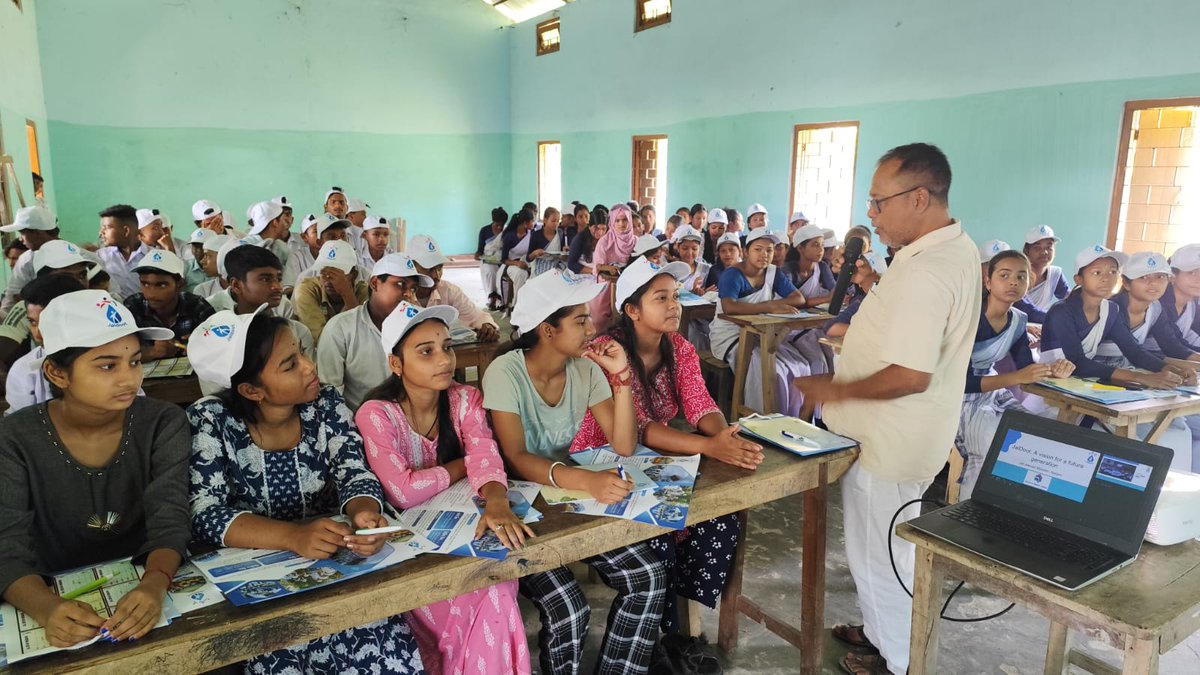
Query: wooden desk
224, 634
691, 313
769, 331
478, 354
1122, 417
178, 390
1147, 608
834, 343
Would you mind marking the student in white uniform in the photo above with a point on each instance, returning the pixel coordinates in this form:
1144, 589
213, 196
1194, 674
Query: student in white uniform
688, 243
488, 253
25, 384
431, 263
254, 276
756, 217
304, 254
356, 213
35, 225
831, 244
651, 248
1181, 301
122, 251
154, 230
374, 246
806, 268
269, 224
548, 244
1048, 285
194, 273
208, 215
988, 250
514, 253
212, 246
350, 353
755, 286
330, 228
1001, 334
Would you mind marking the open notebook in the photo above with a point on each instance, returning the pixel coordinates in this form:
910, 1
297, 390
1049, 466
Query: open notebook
792, 434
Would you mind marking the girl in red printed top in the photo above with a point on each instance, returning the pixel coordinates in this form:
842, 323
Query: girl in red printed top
667, 379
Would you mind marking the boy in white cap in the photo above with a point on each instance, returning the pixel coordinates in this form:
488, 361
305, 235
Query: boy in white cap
193, 272
430, 262
268, 221
208, 262
1181, 301
1048, 284
36, 225
55, 257
374, 246
334, 288
209, 216
255, 280
123, 250
756, 217
350, 353
335, 202
330, 229
154, 230
164, 303
26, 385
137, 505
304, 252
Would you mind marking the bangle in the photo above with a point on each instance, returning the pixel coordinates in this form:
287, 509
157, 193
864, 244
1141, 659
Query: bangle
617, 375
170, 579
551, 473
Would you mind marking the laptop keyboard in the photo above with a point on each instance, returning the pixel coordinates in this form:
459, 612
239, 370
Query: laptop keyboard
1043, 540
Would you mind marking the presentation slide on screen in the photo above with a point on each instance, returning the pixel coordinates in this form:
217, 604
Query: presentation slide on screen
1124, 472
1060, 469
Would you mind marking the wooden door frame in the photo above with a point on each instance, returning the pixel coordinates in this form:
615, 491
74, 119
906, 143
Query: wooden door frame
6, 213
1118, 189
633, 160
796, 156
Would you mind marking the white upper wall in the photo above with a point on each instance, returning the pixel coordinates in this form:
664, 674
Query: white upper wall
381, 66
725, 57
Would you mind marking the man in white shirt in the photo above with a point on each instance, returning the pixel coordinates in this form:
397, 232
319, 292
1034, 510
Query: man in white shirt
36, 225
123, 250
350, 351
898, 388
374, 245
430, 262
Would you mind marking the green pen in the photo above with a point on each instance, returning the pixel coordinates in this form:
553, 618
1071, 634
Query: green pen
84, 590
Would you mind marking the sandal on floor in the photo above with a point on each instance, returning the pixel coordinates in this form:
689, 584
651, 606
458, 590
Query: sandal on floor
864, 664
854, 636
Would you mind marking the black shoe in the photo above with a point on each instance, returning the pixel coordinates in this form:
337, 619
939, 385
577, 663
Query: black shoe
682, 655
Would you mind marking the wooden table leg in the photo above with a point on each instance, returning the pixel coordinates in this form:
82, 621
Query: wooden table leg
727, 622
1141, 657
1058, 650
927, 608
1159, 427
812, 576
768, 347
740, 369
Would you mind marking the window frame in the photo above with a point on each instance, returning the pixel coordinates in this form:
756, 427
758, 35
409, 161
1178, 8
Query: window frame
796, 157
640, 24
538, 175
544, 27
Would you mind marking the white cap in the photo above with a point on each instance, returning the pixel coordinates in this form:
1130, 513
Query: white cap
1186, 258
201, 235
32, 218
761, 233
831, 240
57, 254
640, 272
646, 243
397, 265
224, 250
808, 232
729, 238
146, 217
876, 260
337, 254
755, 208
355, 205
262, 214
687, 232
1146, 263
549, 292
96, 264
718, 216
217, 348
215, 242
1039, 233
799, 215
1093, 253
89, 319
335, 190
424, 250
407, 316
989, 249
375, 223
283, 201
164, 261
311, 220
204, 209
326, 221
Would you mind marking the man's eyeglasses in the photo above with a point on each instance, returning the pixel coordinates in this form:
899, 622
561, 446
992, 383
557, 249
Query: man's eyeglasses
876, 205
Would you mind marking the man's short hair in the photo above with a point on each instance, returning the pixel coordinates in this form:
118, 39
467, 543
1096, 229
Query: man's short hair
242, 260
42, 290
122, 213
926, 162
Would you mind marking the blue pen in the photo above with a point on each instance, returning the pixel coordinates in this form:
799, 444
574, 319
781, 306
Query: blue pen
803, 440
621, 472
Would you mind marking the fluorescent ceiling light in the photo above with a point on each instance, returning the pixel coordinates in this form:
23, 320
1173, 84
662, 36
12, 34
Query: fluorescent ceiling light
523, 10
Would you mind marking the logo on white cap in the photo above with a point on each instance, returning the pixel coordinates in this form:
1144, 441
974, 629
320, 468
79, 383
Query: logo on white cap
71, 248
431, 247
114, 318
996, 247
1151, 262
223, 331
409, 264
411, 312
156, 256
332, 254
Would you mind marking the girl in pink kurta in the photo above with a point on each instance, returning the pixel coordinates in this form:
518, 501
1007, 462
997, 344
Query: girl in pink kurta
610, 256
422, 433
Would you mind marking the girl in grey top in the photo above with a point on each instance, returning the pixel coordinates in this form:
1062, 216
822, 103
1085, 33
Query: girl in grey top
95, 474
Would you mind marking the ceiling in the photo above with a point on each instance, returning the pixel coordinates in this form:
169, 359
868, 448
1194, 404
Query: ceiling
523, 10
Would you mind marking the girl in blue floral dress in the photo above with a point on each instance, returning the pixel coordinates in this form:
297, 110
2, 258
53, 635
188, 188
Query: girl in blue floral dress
272, 455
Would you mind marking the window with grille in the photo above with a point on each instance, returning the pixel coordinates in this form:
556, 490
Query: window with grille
549, 175
549, 37
823, 161
651, 13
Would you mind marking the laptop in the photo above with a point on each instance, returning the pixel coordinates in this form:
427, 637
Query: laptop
1058, 502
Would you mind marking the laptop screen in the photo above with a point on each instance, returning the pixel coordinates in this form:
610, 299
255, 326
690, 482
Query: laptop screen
1087, 482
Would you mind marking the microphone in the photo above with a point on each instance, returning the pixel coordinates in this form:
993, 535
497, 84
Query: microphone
853, 252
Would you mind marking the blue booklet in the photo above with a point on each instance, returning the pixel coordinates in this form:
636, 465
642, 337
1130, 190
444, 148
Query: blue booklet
792, 434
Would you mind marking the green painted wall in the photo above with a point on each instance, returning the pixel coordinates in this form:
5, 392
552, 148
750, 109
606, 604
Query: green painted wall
22, 97
1020, 158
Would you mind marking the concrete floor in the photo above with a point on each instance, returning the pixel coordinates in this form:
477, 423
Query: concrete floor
1010, 645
